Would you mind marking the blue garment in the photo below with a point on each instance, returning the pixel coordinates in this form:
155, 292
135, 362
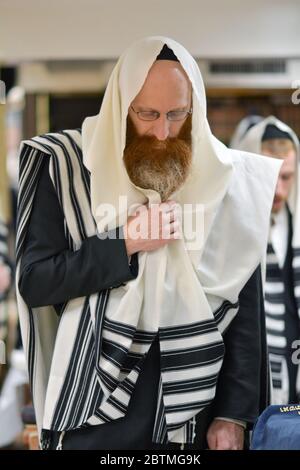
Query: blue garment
277, 428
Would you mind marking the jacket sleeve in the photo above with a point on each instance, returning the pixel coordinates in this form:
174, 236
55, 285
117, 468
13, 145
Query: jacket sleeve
50, 272
242, 387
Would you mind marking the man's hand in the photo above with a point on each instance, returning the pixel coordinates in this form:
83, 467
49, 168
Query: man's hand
152, 227
223, 435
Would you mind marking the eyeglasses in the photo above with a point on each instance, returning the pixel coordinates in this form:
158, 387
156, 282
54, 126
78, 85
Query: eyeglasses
153, 115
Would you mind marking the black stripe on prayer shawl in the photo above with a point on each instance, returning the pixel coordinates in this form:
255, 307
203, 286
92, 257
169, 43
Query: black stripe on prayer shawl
3, 240
130, 363
58, 186
81, 394
114, 352
296, 251
276, 367
190, 330
160, 428
143, 337
26, 194
274, 298
110, 382
275, 320
119, 355
273, 273
27, 189
85, 174
57, 177
4, 259
74, 199
83, 170
190, 385
296, 272
117, 404
102, 416
160, 432
127, 385
277, 383
197, 405
191, 431
220, 313
128, 331
189, 357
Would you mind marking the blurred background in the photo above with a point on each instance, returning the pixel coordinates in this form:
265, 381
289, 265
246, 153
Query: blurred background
55, 60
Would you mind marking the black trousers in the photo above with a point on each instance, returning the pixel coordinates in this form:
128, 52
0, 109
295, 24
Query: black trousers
92, 438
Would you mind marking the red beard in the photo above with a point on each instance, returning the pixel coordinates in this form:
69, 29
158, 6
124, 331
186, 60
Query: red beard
159, 165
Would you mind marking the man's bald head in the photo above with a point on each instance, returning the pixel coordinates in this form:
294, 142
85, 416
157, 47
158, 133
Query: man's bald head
166, 88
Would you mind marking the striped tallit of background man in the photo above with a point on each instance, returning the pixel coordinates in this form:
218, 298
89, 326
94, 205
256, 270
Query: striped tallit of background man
125, 328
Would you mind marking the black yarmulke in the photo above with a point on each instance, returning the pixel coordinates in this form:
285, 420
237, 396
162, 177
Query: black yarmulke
273, 132
166, 54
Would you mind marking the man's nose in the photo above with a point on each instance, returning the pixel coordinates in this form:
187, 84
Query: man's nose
161, 128
279, 188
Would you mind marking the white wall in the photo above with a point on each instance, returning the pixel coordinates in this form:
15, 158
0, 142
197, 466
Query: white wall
96, 29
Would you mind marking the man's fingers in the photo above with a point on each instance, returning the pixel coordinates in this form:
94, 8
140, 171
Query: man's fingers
169, 217
168, 206
174, 226
171, 231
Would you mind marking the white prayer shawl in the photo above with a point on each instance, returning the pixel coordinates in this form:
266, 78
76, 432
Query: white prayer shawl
241, 129
186, 297
275, 309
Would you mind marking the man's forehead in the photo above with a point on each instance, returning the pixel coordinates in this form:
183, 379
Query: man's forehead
289, 160
166, 76
279, 148
163, 67
286, 156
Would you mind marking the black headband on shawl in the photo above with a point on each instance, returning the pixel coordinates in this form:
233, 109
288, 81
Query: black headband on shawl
166, 54
273, 132
253, 120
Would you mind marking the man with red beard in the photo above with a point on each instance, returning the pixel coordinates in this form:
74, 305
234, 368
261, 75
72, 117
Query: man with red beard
111, 358
158, 151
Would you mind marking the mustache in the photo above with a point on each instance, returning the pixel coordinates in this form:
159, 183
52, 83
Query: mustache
185, 134
156, 164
